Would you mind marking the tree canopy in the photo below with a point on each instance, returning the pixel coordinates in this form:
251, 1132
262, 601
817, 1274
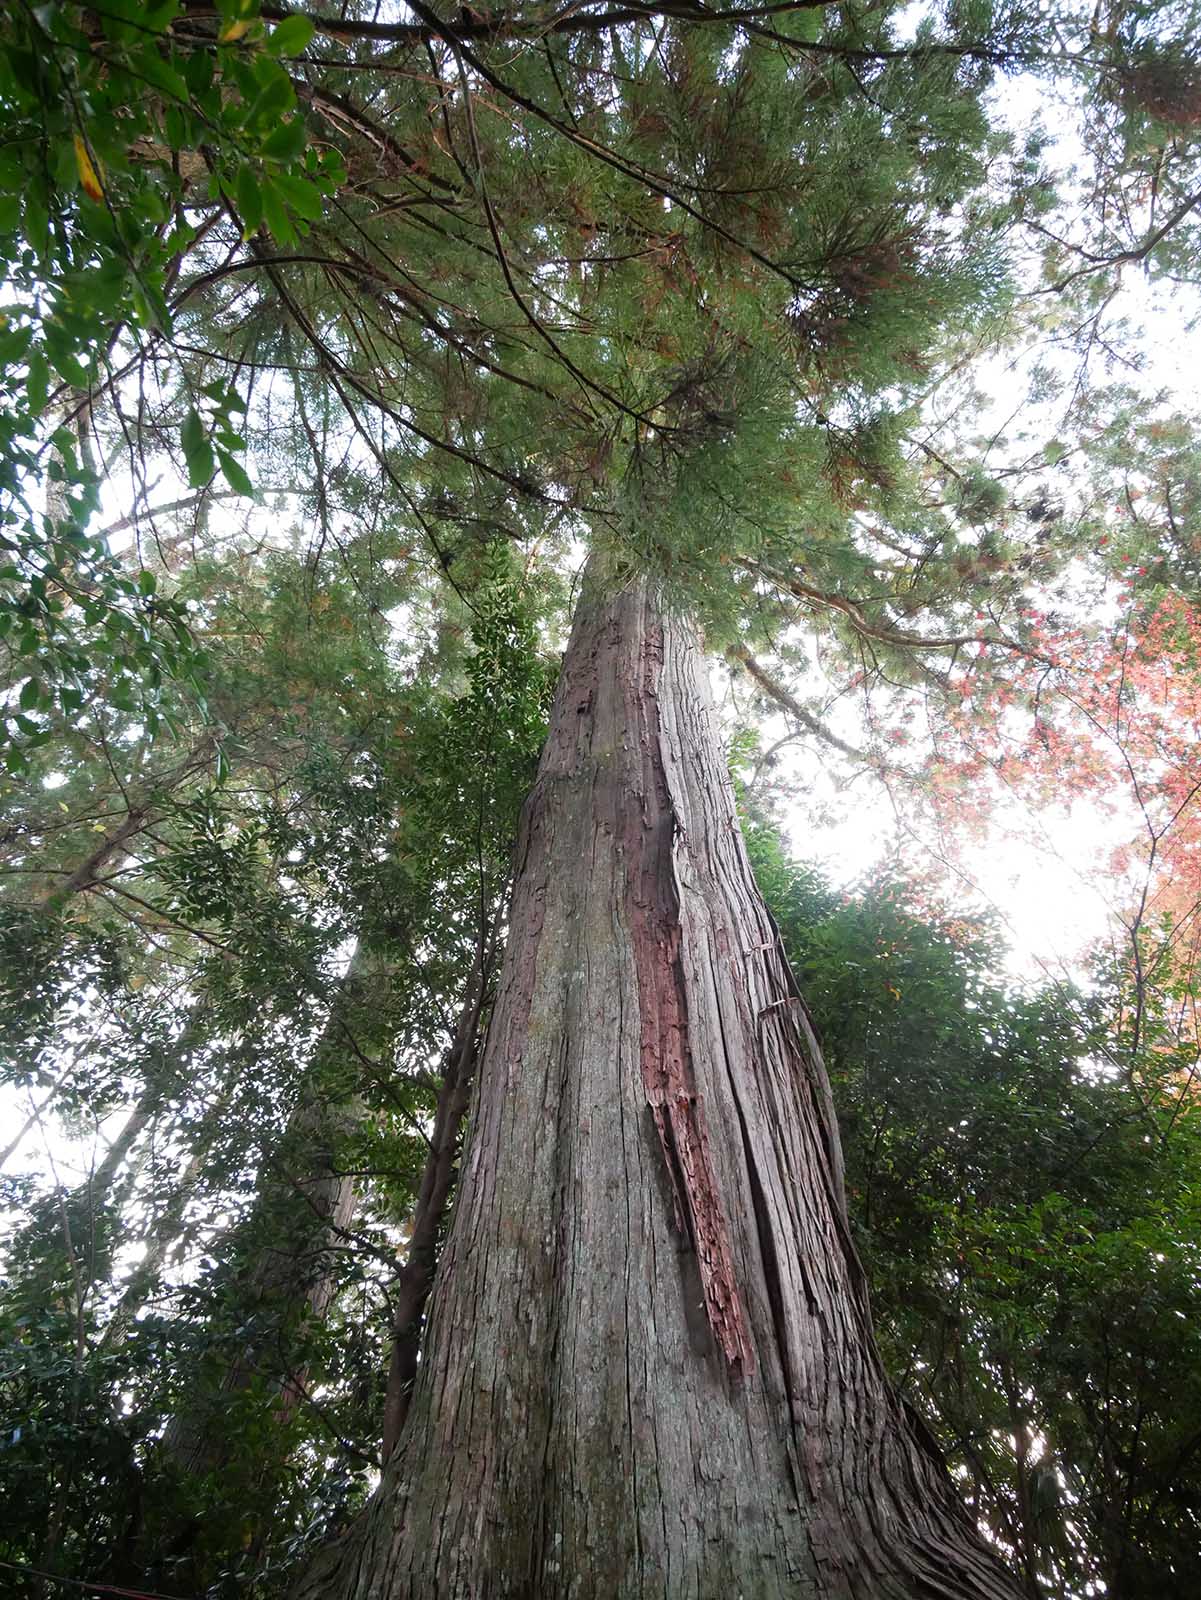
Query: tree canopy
330, 342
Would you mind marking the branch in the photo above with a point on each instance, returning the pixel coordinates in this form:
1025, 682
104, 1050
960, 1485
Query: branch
610, 158
1098, 263
337, 369
571, 18
586, 383
792, 705
896, 636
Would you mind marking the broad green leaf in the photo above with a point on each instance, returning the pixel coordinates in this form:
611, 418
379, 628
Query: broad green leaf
291, 36
287, 142
37, 385
276, 214
301, 196
191, 435
249, 199
235, 474
275, 98
162, 75
198, 451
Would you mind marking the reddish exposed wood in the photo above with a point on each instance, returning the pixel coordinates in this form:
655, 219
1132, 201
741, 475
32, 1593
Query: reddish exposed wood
654, 915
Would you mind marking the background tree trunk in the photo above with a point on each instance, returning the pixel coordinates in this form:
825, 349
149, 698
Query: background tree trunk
415, 1279
281, 1255
650, 1368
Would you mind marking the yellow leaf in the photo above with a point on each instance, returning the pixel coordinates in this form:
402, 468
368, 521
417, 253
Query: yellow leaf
234, 30
89, 177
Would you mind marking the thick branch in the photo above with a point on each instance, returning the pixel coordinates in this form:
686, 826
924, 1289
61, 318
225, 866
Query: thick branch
776, 690
895, 636
1099, 263
568, 19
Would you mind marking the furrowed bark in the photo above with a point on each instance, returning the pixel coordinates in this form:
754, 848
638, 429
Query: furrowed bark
416, 1277
650, 1368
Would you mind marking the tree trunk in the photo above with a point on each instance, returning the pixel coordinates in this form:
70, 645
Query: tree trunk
85, 874
650, 1368
282, 1256
416, 1278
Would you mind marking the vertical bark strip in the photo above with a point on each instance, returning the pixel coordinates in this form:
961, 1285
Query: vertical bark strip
649, 1370
667, 1071
416, 1277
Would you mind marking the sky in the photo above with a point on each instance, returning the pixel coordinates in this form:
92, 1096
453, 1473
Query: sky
1037, 872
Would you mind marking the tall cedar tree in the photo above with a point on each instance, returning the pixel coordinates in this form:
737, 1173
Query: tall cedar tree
651, 1367
674, 280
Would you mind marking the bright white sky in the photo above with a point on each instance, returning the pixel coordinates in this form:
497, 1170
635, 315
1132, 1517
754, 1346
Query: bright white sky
1037, 871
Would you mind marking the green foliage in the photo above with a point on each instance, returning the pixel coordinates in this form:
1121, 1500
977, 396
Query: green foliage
113, 125
1030, 1221
261, 1061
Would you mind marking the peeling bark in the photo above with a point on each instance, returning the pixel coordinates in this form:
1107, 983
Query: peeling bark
649, 842
650, 1368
